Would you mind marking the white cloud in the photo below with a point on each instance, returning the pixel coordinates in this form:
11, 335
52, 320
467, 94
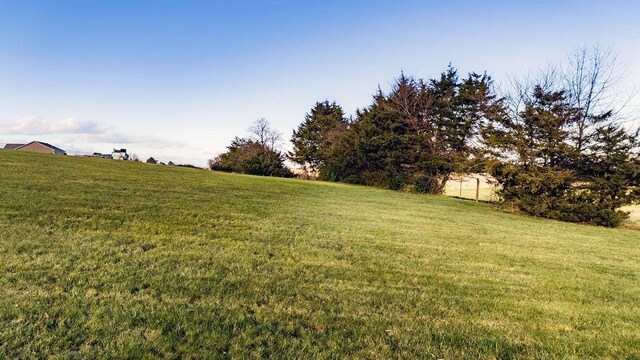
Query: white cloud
44, 126
86, 137
115, 137
72, 130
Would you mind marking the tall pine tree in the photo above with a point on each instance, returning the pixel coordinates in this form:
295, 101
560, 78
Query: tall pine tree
317, 134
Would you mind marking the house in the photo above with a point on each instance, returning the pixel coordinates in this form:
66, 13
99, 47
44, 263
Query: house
37, 146
120, 154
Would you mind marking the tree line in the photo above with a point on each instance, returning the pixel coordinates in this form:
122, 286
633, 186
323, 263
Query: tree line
555, 141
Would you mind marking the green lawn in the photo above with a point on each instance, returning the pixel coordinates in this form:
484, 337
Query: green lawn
100, 258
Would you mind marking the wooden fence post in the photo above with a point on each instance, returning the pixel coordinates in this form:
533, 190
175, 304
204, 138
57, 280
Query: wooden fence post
477, 189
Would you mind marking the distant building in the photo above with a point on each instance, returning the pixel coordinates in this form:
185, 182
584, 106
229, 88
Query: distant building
36, 146
104, 156
12, 146
120, 154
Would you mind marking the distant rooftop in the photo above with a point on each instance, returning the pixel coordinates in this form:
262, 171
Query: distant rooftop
12, 146
50, 146
19, 146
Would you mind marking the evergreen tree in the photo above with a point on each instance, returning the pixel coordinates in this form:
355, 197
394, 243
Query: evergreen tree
314, 138
533, 171
543, 173
415, 136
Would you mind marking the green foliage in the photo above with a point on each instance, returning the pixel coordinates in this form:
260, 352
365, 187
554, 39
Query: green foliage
108, 259
251, 157
556, 150
546, 171
313, 139
415, 136
342, 162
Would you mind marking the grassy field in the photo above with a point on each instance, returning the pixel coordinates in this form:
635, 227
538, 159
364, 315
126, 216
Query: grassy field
100, 258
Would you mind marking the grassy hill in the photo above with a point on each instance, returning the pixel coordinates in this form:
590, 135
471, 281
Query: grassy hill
120, 259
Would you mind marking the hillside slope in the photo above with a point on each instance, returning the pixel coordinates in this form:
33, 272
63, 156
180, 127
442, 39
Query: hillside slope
122, 259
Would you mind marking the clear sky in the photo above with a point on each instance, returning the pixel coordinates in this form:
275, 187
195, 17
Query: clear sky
177, 80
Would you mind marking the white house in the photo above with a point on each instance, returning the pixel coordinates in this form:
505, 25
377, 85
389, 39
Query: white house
120, 154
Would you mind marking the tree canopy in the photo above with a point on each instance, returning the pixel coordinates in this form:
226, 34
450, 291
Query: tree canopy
416, 135
313, 139
555, 142
255, 155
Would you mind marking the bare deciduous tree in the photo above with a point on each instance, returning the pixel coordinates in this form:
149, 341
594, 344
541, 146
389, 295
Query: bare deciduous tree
591, 80
262, 133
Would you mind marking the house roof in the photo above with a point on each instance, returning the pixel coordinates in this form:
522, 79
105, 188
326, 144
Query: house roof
54, 148
12, 146
51, 146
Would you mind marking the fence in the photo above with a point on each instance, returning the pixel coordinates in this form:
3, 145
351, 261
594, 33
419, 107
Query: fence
479, 187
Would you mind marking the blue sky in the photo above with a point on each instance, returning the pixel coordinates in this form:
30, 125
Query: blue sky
177, 80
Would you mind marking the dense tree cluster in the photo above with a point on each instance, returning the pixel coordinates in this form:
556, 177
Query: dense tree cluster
413, 137
547, 170
555, 143
561, 151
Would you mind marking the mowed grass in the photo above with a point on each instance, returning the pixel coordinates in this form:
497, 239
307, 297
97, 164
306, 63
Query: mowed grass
108, 259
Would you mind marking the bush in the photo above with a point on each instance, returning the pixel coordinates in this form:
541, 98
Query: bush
251, 157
